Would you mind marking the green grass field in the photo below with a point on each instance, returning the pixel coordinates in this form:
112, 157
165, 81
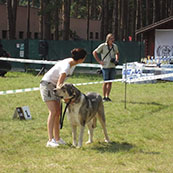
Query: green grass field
141, 135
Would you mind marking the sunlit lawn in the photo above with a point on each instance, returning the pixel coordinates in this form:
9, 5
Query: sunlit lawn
141, 135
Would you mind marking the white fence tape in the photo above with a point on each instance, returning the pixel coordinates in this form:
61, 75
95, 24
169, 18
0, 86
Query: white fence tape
128, 80
90, 83
78, 65
18, 91
28, 61
36, 89
51, 62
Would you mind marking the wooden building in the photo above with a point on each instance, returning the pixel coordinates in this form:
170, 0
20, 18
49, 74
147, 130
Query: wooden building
77, 26
148, 33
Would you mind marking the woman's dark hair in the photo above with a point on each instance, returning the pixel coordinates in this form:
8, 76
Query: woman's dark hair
78, 53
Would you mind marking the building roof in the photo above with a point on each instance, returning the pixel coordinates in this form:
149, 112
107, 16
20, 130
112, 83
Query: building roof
154, 25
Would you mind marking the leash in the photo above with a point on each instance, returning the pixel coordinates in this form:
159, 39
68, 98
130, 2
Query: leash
62, 116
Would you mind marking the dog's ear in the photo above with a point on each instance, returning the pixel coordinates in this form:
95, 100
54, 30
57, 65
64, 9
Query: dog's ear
76, 91
70, 89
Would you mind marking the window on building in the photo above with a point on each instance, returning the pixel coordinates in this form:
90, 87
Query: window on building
91, 35
21, 33
96, 35
36, 35
4, 34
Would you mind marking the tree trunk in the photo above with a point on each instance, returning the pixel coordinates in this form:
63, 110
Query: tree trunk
171, 10
157, 12
125, 19
12, 13
106, 19
141, 13
28, 20
166, 8
41, 20
119, 19
57, 23
115, 20
162, 9
122, 21
88, 18
135, 19
47, 21
94, 9
147, 12
169, 7
66, 19
129, 33
102, 20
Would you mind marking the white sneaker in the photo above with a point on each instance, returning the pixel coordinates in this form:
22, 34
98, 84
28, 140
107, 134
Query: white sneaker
61, 142
52, 143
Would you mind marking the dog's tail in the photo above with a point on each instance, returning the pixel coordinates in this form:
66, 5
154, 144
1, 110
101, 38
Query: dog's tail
94, 123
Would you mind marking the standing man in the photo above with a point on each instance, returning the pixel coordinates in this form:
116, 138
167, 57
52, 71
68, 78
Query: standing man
109, 58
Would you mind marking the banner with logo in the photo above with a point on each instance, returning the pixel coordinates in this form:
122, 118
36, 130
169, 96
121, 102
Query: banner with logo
163, 43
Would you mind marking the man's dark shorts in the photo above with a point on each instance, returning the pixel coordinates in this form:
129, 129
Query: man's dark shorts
108, 73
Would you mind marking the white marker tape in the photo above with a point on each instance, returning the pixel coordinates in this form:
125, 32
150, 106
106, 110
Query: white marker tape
90, 83
52, 62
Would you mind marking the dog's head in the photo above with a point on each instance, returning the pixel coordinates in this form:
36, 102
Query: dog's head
66, 91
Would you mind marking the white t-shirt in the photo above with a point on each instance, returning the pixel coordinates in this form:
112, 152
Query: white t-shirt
62, 66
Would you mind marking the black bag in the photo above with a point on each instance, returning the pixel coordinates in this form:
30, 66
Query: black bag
99, 71
114, 61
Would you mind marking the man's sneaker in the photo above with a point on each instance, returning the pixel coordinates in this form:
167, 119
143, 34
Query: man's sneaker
104, 99
108, 99
52, 143
61, 142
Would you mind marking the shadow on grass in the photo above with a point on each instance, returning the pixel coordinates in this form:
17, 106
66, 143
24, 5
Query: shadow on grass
143, 103
112, 147
147, 152
159, 106
147, 103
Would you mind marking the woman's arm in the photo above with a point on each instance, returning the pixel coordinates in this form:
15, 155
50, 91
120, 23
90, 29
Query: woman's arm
61, 79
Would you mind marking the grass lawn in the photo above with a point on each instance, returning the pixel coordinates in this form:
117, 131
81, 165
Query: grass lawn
141, 135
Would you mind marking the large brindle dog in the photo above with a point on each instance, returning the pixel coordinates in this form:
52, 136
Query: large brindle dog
83, 110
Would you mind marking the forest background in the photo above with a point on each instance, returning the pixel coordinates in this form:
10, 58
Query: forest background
121, 17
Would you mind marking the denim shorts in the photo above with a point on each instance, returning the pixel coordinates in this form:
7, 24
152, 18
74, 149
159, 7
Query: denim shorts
108, 73
46, 91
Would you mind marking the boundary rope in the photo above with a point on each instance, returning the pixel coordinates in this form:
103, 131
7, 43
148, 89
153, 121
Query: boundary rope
51, 62
154, 77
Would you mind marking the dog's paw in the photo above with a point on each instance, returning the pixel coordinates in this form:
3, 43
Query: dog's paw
75, 144
78, 147
89, 142
107, 140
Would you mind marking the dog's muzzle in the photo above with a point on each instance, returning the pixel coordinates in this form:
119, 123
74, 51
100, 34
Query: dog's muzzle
55, 93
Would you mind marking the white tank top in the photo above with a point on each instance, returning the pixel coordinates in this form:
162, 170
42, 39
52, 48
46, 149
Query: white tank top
62, 66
